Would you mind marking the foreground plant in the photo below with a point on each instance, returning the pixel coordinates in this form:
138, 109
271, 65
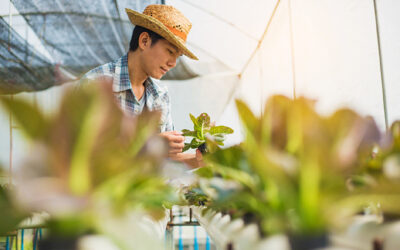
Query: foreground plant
291, 170
90, 162
204, 130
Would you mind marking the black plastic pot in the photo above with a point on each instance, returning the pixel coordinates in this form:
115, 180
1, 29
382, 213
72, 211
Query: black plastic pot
58, 243
308, 242
203, 148
249, 218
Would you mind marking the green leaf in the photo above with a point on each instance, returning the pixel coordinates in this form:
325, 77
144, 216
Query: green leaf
29, 117
205, 172
195, 123
195, 143
186, 147
79, 177
219, 137
146, 126
247, 117
220, 130
186, 132
10, 214
203, 120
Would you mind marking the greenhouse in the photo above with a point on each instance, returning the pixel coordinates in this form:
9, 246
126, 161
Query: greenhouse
182, 124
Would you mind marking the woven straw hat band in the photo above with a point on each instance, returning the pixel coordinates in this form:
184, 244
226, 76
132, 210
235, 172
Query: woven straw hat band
172, 18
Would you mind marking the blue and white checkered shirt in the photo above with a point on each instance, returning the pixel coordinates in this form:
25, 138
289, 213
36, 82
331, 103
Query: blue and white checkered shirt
156, 96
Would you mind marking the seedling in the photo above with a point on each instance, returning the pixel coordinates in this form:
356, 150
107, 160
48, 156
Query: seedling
205, 130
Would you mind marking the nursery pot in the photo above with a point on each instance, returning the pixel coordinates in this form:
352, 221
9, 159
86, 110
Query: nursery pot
203, 148
58, 243
302, 242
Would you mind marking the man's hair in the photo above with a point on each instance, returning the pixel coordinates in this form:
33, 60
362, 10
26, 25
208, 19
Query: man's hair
134, 44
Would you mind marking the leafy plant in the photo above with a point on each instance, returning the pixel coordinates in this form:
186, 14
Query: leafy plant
195, 195
204, 130
10, 213
291, 169
89, 161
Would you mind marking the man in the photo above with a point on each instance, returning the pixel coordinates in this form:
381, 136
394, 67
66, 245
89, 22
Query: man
158, 39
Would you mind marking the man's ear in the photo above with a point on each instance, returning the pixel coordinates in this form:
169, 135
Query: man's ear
144, 40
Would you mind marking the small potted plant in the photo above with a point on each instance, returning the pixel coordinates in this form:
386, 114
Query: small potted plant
204, 130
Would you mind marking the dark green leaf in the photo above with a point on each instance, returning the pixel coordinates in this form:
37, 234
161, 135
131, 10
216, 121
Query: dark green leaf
186, 132
186, 147
195, 143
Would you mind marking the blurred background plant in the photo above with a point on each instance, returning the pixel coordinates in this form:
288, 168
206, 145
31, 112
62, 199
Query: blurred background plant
291, 174
90, 165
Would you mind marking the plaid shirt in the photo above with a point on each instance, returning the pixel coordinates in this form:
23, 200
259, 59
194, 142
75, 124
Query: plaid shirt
157, 97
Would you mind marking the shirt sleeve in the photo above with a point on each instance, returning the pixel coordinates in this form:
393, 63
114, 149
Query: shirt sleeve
103, 70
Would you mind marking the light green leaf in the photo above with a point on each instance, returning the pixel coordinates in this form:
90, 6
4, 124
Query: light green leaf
29, 117
205, 172
220, 130
195, 123
79, 176
247, 117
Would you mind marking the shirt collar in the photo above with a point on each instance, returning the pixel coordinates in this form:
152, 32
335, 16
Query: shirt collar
151, 89
121, 78
122, 81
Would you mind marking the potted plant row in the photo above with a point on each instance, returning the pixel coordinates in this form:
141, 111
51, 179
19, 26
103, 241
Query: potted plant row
300, 173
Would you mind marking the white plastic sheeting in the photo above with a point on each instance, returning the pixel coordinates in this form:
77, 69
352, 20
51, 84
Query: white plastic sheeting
322, 49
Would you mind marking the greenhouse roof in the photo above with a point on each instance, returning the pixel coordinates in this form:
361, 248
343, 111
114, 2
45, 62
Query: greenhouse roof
79, 35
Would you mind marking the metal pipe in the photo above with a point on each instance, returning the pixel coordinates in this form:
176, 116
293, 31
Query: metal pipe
292, 47
378, 37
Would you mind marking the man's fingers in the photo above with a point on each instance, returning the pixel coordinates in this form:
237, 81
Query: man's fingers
175, 151
175, 141
176, 138
173, 145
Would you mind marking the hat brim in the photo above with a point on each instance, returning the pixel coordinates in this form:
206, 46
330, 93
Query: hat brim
153, 24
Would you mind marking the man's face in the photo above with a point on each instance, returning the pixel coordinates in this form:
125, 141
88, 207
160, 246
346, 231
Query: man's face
159, 58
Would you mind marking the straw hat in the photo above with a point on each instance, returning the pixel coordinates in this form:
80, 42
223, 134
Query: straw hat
166, 21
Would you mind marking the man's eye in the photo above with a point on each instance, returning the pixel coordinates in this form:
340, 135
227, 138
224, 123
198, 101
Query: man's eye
170, 52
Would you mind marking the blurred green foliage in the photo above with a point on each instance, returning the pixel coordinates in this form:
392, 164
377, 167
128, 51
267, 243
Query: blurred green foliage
291, 173
91, 158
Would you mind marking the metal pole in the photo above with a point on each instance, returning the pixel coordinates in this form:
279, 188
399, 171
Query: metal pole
22, 239
378, 37
262, 38
11, 148
10, 24
292, 47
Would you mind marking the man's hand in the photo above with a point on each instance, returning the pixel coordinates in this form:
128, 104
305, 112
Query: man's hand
176, 142
190, 159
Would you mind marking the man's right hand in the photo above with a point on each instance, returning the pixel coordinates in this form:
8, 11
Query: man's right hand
176, 142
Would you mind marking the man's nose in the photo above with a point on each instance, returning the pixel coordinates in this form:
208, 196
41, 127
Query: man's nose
172, 62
